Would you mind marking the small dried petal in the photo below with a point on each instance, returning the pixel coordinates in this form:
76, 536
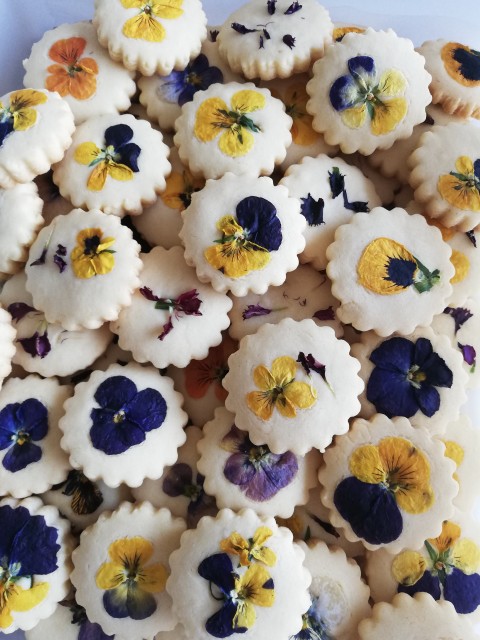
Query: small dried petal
469, 353
255, 310
289, 40
61, 250
60, 262
36, 345
325, 314
188, 303
167, 327
309, 363
214, 34
472, 238
460, 315
293, 8
240, 28
41, 259
336, 181
271, 6
357, 206
148, 294
19, 310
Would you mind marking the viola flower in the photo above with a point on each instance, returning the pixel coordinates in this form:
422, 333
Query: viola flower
247, 239
145, 25
391, 476
296, 98
22, 424
187, 303
180, 86
179, 189
125, 415
28, 548
340, 32
406, 377
20, 115
258, 472
37, 344
240, 594
200, 375
180, 481
461, 188
361, 94
450, 568
72, 75
460, 316
85, 494
278, 389
117, 159
88, 630
215, 117
92, 256
461, 63
129, 581
386, 267
252, 549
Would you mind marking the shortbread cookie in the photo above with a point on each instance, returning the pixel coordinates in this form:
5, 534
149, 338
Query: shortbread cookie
242, 234
331, 192
116, 163
173, 317
275, 39
47, 348
35, 562
70, 61
368, 90
31, 460
416, 618
151, 36
69, 622
7, 344
123, 425
446, 567
455, 71
36, 129
239, 573
181, 486
293, 386
419, 377
120, 570
83, 269
20, 219
388, 484
200, 382
338, 594
161, 222
306, 293
449, 188
242, 475
391, 271
233, 127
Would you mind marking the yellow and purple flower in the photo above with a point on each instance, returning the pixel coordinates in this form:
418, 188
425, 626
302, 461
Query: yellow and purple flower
20, 115
461, 188
145, 25
462, 63
92, 256
251, 550
21, 425
180, 86
180, 480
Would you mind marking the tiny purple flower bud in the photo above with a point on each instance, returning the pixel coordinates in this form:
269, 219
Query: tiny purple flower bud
289, 41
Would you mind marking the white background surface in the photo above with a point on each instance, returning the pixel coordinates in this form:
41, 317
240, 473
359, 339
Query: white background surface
23, 22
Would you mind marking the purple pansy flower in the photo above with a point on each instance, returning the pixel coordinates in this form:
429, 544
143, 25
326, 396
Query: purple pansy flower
345, 91
125, 415
117, 143
36, 345
258, 218
460, 315
179, 481
19, 310
88, 630
180, 86
405, 378
21, 424
187, 304
258, 472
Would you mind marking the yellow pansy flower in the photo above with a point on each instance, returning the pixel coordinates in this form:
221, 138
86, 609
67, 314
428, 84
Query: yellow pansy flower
145, 25
214, 117
251, 549
20, 115
92, 256
462, 63
179, 189
461, 188
15, 598
296, 98
250, 592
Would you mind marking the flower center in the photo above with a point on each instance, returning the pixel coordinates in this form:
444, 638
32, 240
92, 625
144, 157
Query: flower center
21, 437
110, 155
91, 246
415, 377
72, 69
119, 417
147, 9
370, 96
257, 454
192, 491
194, 79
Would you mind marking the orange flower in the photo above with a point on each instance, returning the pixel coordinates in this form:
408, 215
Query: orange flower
200, 374
71, 75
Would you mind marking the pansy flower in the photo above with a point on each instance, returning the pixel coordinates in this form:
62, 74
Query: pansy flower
129, 581
279, 390
247, 239
462, 63
325, 612
28, 548
251, 550
125, 415
92, 256
118, 158
387, 478
37, 344
340, 32
461, 188
406, 377
72, 75
258, 472
201, 375
387, 267
21, 425
296, 98
145, 25
450, 568
239, 594
87, 630
186, 304
180, 480
236, 128
180, 86
85, 495
361, 95
20, 115
179, 189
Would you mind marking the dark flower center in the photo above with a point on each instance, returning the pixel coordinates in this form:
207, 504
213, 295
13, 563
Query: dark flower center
257, 454
73, 69
91, 246
147, 9
194, 79
21, 437
119, 417
192, 491
415, 377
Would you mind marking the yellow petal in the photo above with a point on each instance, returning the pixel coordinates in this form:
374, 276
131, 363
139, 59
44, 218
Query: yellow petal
26, 98
236, 142
167, 8
153, 578
366, 465
302, 130
236, 260
285, 407
261, 535
417, 499
105, 243
247, 101
408, 567
133, 4
209, 118
6, 618
263, 379
301, 394
82, 265
466, 556
453, 66
103, 263
129, 549
175, 186
373, 266
97, 178
451, 532
24, 119
245, 615
355, 116
110, 575
464, 165
392, 83
465, 198
461, 264
388, 115
86, 153
260, 402
229, 226
265, 555
283, 370
119, 171
340, 32
454, 451
236, 545
25, 599
252, 582
144, 27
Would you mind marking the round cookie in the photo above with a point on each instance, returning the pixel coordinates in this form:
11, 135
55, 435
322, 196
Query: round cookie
70, 61
116, 163
7, 344
242, 234
151, 35
368, 90
69, 622
233, 127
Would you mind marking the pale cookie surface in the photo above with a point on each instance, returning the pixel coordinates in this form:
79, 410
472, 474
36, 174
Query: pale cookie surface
69, 622
7, 344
